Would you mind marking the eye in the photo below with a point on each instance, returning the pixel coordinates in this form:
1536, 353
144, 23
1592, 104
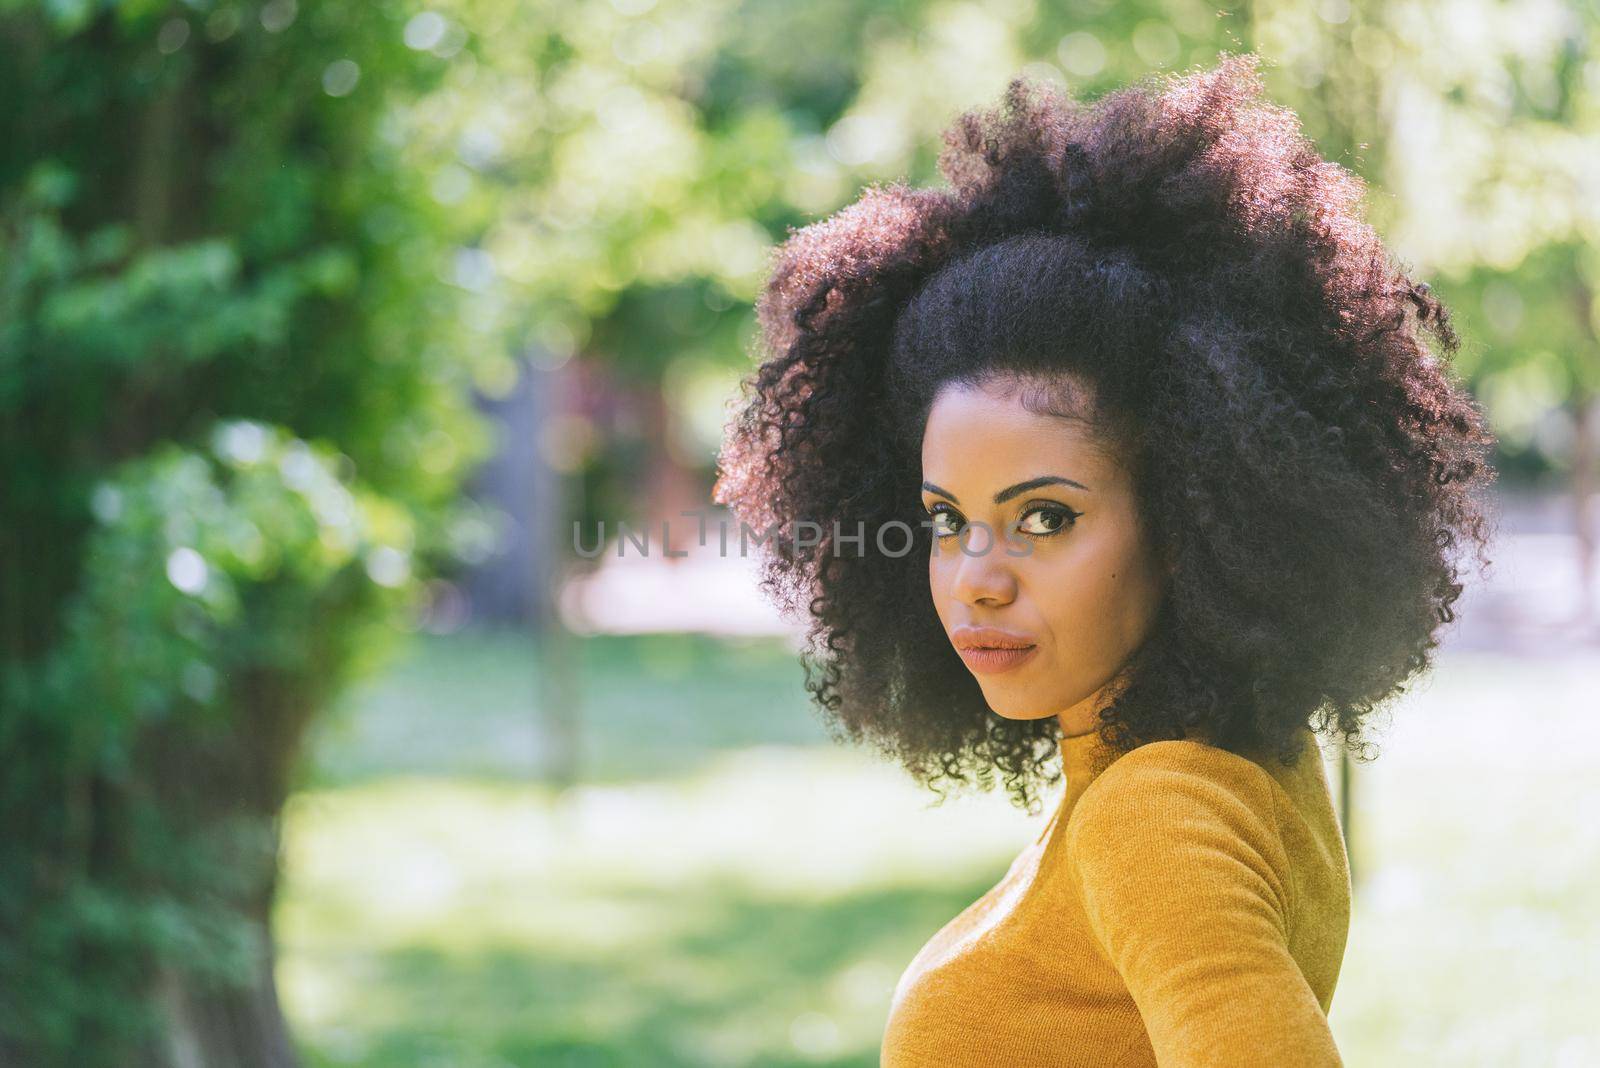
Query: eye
946, 521
1052, 518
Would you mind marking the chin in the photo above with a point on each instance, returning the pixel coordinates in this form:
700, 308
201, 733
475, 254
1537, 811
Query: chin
1015, 710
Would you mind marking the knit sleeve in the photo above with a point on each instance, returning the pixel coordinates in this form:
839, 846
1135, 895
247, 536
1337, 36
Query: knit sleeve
1184, 880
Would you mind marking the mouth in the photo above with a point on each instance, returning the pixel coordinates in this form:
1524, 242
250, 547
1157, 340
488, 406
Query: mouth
992, 660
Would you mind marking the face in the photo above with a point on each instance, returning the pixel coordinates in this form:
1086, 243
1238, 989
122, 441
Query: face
1036, 545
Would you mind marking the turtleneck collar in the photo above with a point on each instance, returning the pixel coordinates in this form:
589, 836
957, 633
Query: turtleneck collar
1083, 757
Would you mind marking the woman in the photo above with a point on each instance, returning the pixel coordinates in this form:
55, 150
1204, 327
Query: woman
1182, 487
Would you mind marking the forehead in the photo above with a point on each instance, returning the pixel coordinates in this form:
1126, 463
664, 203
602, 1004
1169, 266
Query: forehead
986, 434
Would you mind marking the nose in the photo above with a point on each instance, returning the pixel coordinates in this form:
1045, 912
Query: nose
983, 573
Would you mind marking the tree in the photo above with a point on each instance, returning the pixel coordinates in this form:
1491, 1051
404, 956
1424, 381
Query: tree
232, 416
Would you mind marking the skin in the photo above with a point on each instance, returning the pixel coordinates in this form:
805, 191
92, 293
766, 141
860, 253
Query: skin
1087, 590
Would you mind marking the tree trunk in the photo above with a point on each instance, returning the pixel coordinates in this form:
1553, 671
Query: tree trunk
1585, 447
210, 1028
224, 785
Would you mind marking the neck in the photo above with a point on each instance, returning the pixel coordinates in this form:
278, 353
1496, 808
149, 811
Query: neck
1084, 717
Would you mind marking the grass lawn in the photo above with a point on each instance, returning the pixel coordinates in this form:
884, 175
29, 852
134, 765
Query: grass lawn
727, 888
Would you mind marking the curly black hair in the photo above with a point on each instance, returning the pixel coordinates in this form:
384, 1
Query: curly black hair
1305, 464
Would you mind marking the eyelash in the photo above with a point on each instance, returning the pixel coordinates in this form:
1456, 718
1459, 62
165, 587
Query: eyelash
1068, 518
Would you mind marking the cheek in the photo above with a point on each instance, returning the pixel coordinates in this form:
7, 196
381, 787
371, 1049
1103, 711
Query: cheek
940, 574
1096, 600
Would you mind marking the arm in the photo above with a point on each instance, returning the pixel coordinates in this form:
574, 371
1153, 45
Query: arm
1184, 882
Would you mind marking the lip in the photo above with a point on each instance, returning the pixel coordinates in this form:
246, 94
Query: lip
994, 661
990, 650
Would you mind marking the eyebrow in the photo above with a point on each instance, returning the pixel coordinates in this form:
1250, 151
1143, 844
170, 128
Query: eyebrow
1011, 491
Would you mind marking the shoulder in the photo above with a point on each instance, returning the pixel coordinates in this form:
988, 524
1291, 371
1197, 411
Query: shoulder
1172, 799
1179, 868
1176, 774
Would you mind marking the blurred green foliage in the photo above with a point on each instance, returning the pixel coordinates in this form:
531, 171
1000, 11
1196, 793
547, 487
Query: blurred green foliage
233, 421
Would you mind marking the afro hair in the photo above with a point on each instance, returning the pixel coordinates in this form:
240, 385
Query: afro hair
1308, 464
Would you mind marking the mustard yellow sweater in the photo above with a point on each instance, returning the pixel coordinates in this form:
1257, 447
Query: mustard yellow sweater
1185, 906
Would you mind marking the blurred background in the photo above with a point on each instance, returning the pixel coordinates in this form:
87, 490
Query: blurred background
321, 325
